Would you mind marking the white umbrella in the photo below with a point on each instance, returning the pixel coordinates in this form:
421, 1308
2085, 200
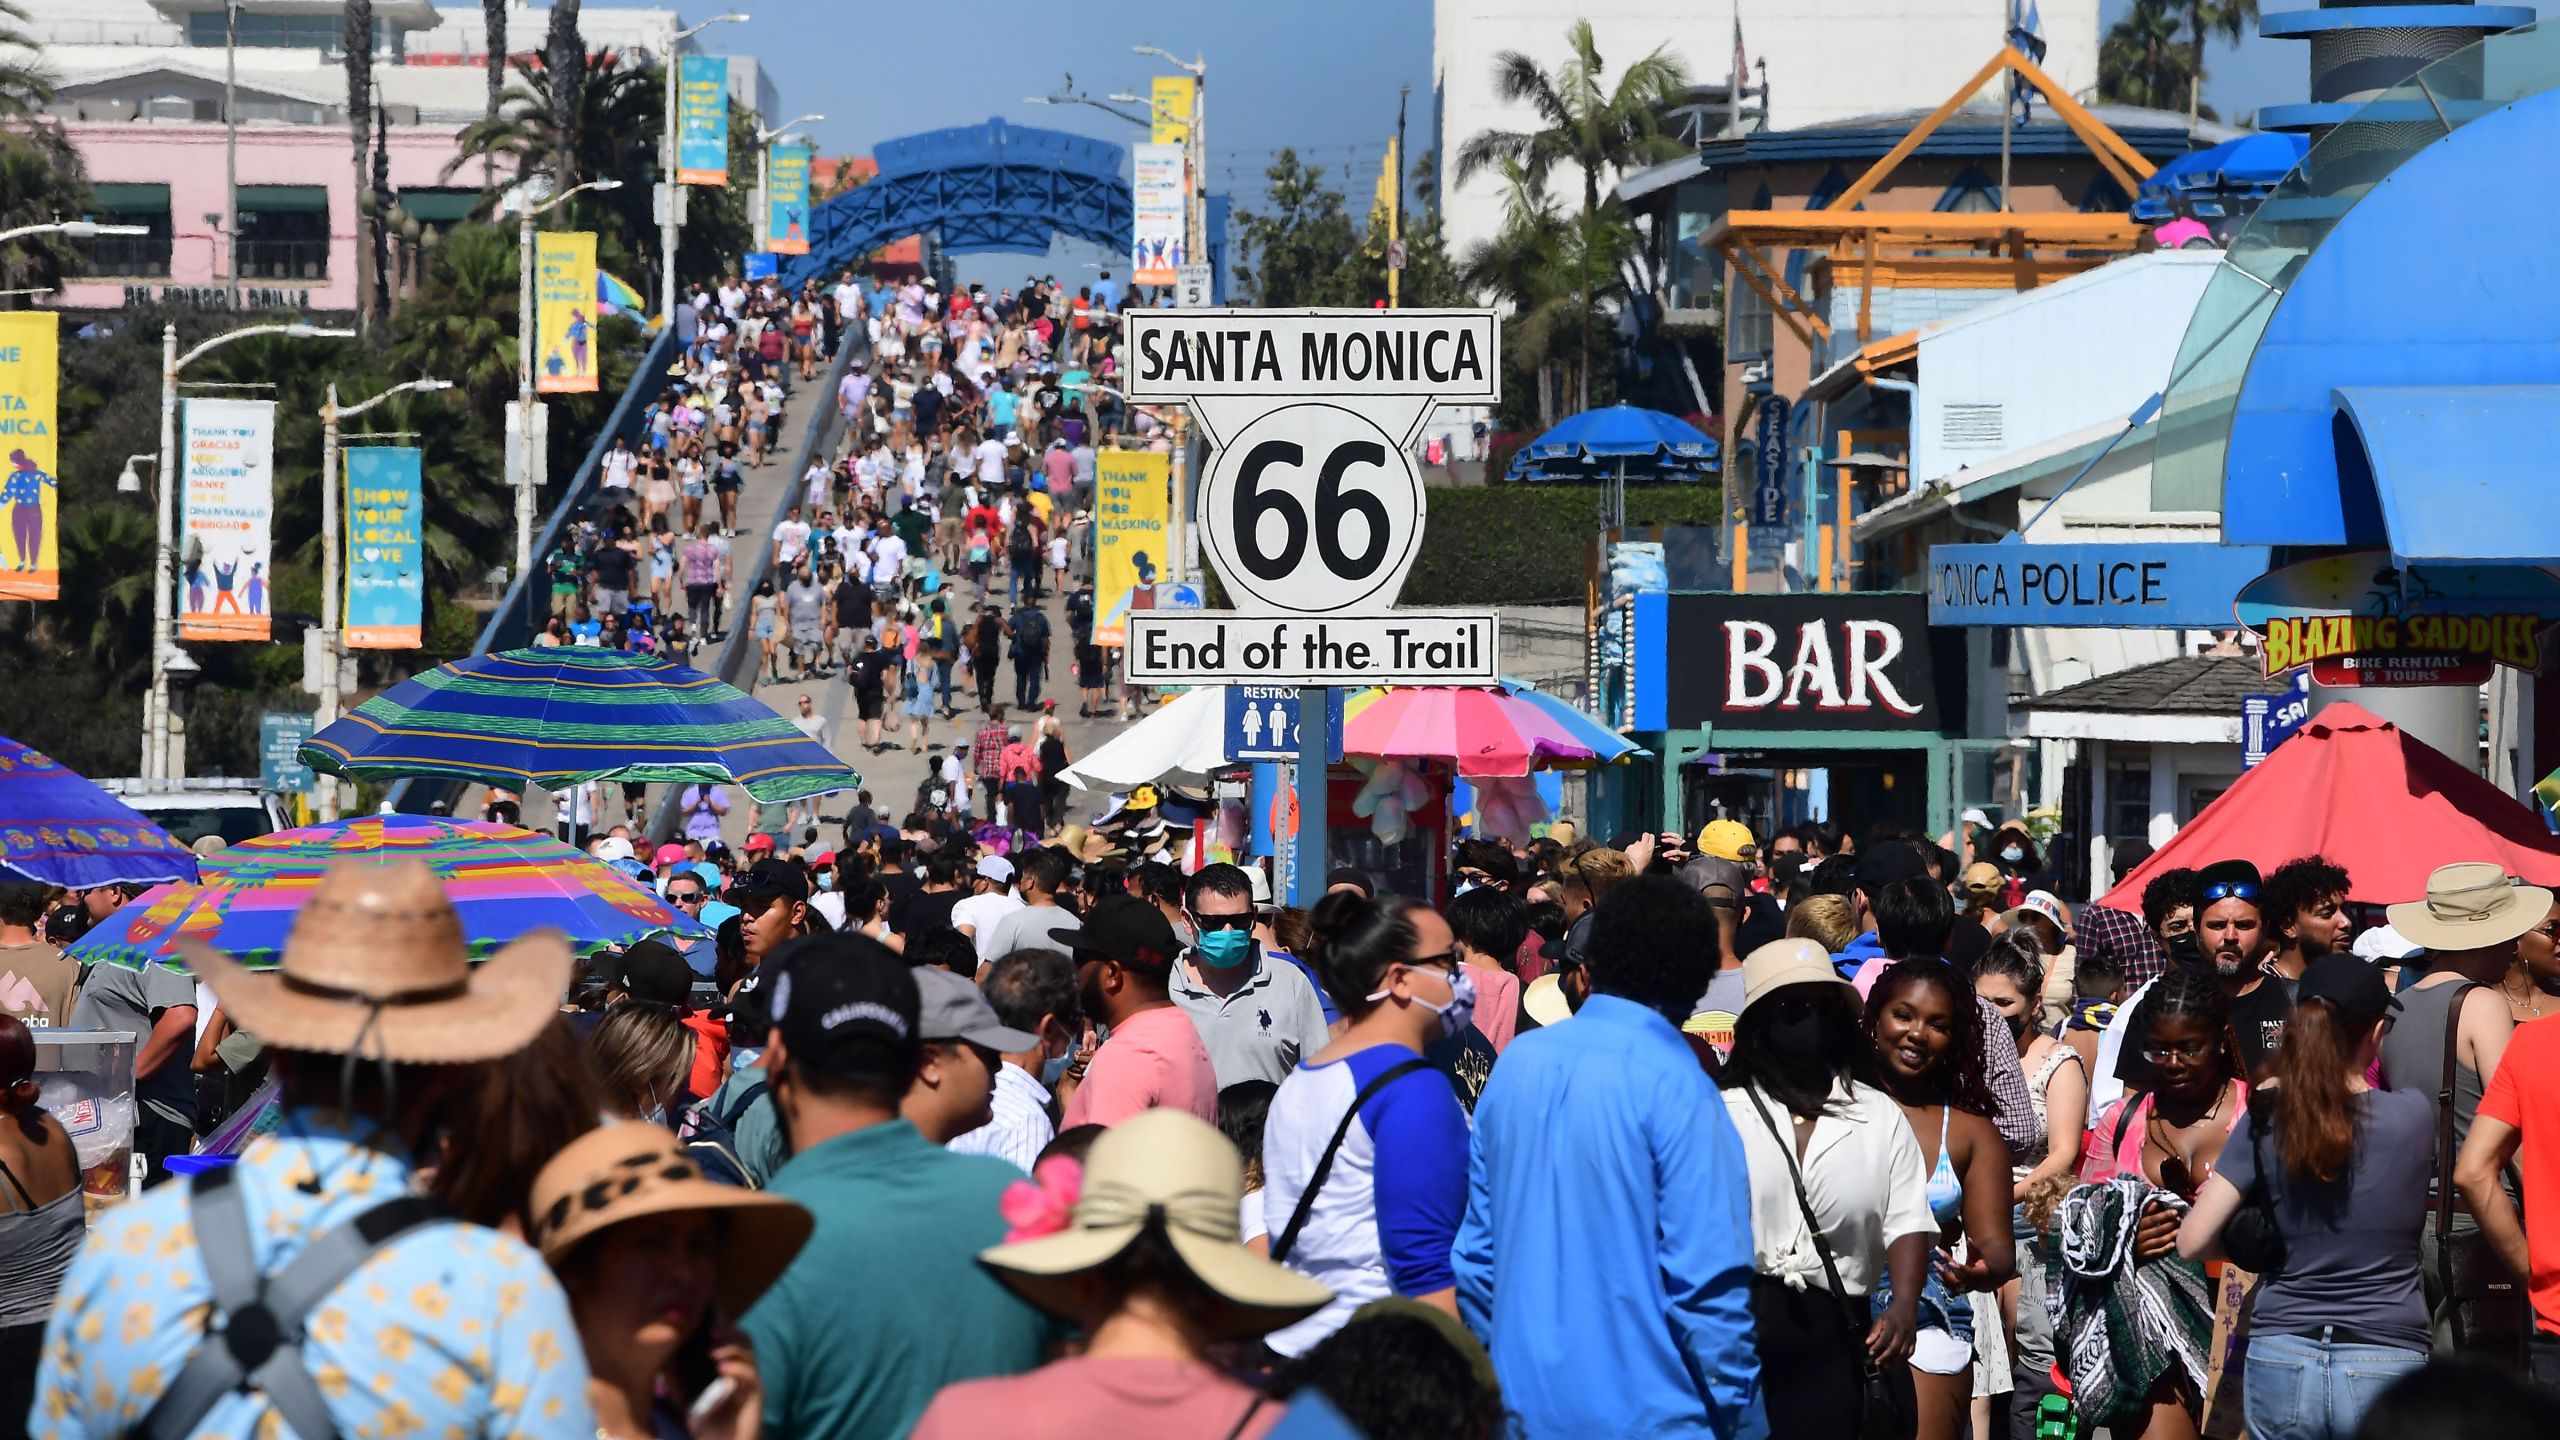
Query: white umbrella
1183, 741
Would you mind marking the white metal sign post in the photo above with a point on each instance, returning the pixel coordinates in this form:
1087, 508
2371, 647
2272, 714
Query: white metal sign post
1312, 507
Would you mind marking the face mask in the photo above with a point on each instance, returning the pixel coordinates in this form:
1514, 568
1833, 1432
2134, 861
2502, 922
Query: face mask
1224, 949
1464, 886
1054, 1069
2013, 854
744, 1058
1461, 1008
1796, 1040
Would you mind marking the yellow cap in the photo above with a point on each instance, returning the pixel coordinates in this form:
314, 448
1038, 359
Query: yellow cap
1727, 840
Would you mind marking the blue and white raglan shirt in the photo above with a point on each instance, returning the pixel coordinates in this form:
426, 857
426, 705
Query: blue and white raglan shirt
1383, 1223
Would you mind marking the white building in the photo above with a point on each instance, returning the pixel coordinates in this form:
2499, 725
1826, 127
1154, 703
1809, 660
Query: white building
1827, 60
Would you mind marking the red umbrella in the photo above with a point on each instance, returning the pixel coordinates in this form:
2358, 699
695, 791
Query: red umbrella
2354, 788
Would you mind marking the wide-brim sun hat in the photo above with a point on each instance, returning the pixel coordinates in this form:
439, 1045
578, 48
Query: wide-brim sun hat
629, 1170
1782, 964
2469, 906
1165, 1169
376, 966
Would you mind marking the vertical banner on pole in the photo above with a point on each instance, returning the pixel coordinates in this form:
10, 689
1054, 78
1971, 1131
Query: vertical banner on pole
787, 199
1156, 252
564, 306
29, 367
1172, 99
386, 551
702, 120
227, 475
1131, 498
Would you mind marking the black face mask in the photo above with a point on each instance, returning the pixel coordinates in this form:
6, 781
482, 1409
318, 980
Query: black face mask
1796, 1041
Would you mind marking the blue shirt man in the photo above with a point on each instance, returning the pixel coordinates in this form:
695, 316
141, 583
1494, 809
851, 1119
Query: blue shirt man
1609, 1205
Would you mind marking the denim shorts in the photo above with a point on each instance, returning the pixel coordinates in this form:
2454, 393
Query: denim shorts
1937, 1309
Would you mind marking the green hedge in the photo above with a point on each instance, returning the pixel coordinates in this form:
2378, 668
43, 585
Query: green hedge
1518, 544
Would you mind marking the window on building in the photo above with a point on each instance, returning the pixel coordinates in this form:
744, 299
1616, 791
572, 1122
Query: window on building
130, 255
2105, 197
326, 33
1750, 326
284, 233
1971, 193
1798, 261
2128, 801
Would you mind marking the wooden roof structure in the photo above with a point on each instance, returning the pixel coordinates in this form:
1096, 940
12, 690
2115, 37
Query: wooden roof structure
1936, 249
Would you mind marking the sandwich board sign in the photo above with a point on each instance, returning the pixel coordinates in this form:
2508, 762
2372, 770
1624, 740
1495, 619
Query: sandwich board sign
1312, 507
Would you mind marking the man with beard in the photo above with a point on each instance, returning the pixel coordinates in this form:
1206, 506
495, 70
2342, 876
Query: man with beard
1124, 956
2232, 941
2306, 908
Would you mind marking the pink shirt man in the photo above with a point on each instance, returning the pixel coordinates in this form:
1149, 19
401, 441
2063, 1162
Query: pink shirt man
1154, 1059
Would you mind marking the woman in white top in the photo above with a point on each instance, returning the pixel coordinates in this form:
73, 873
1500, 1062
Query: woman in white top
1817, 1136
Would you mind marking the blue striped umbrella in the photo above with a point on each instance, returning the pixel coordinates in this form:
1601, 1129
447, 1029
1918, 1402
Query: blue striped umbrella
551, 718
59, 829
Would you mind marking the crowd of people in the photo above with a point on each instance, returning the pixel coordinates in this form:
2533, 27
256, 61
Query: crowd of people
932, 1138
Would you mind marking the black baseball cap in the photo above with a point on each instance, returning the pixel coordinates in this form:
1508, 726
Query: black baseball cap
1126, 929
652, 970
769, 877
843, 1005
1884, 864
2351, 984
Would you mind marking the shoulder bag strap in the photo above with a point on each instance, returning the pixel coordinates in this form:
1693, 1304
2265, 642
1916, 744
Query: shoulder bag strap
2442, 1207
1804, 1202
1288, 1240
259, 1346
739, 1107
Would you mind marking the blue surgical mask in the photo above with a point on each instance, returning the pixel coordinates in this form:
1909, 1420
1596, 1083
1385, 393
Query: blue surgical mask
1224, 949
2013, 854
1465, 885
1054, 1069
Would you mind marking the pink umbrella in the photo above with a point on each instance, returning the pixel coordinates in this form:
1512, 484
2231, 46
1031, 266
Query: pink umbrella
1483, 732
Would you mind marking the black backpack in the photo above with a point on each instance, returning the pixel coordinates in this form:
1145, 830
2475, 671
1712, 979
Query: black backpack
1031, 630
711, 1139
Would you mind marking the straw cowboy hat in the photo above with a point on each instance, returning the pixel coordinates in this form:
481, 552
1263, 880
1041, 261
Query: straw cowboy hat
2470, 906
376, 966
1168, 1168
628, 1170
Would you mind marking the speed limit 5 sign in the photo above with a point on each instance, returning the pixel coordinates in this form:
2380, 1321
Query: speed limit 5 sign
1312, 505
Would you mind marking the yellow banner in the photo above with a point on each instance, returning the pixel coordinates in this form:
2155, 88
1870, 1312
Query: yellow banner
1132, 503
564, 302
30, 565
1173, 100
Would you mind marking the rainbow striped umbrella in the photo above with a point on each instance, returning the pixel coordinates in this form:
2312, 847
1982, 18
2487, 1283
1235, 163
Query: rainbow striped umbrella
504, 882
57, 828
1510, 729
551, 718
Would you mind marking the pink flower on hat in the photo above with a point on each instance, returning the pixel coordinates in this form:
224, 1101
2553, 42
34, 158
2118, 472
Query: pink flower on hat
1043, 1204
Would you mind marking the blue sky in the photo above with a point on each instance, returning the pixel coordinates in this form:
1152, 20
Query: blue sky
1321, 75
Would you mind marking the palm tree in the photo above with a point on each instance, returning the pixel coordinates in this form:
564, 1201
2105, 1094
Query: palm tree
565, 56
359, 47
1532, 264
2141, 62
1597, 131
614, 135
42, 179
2230, 19
26, 87
493, 18
462, 324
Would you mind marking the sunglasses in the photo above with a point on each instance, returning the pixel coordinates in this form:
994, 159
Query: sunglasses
1224, 922
685, 897
2228, 890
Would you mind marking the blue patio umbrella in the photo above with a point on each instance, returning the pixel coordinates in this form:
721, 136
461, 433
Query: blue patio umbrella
58, 829
1618, 441
551, 718
2248, 168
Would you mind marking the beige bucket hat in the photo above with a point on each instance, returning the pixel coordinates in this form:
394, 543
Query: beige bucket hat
1163, 1167
376, 966
2470, 906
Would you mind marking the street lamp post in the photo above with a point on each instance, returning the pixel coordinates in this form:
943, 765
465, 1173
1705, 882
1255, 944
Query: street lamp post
764, 202
164, 642
527, 210
331, 796
672, 73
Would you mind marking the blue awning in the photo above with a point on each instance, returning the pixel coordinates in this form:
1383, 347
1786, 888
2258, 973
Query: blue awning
2445, 470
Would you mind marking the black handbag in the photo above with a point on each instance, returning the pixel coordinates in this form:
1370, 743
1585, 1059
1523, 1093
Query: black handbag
2251, 1237
1890, 1412
2484, 1301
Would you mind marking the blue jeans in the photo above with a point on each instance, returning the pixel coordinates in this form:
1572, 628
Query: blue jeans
942, 678
2302, 1387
